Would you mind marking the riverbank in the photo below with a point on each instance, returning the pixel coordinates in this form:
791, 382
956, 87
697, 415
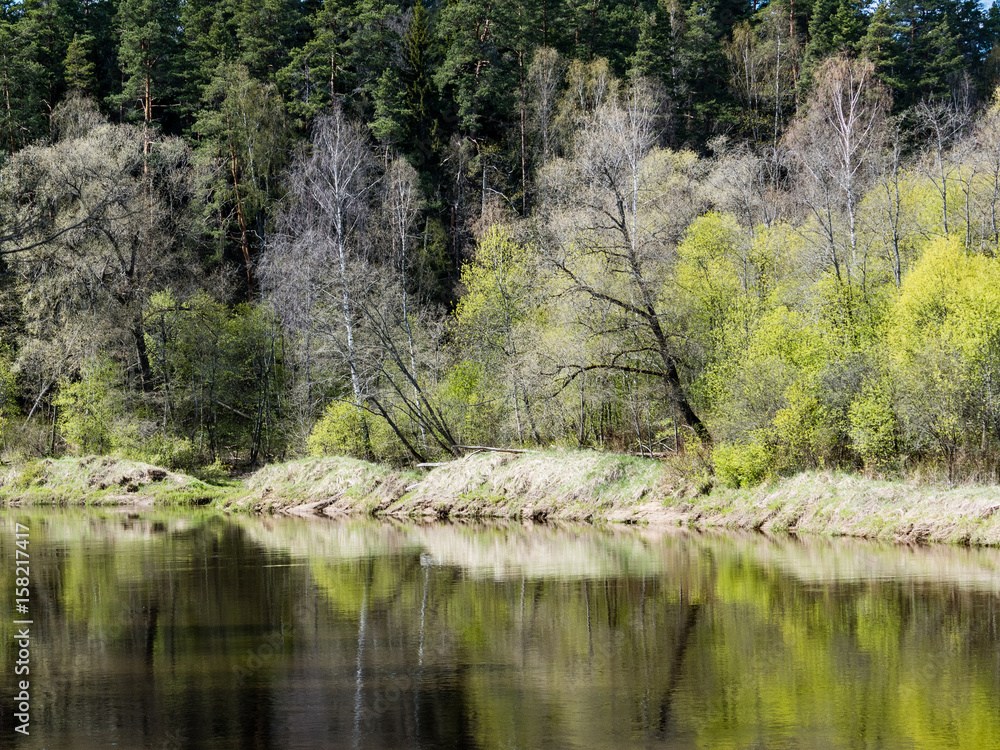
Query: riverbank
590, 486
545, 485
104, 480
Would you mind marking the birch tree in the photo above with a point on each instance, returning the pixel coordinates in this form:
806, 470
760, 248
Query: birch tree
836, 147
317, 259
617, 211
338, 272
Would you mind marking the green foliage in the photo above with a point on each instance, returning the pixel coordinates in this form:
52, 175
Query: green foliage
742, 465
391, 112
80, 71
945, 348
473, 33
724, 278
880, 44
498, 284
221, 375
147, 47
466, 395
162, 449
9, 391
265, 31
24, 85
553, 271
341, 430
344, 429
875, 428
92, 408
243, 148
32, 474
951, 299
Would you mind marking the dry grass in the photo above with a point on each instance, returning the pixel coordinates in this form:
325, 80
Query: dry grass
334, 484
101, 480
566, 485
590, 486
847, 505
571, 485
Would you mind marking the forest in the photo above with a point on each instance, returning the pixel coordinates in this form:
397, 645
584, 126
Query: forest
763, 233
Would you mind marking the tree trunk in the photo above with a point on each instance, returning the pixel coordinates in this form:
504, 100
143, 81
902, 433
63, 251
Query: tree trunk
145, 371
242, 220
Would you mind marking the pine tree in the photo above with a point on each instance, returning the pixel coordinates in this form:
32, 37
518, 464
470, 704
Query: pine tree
418, 53
49, 24
835, 26
701, 87
390, 125
80, 71
654, 51
209, 41
243, 148
881, 45
942, 59
849, 26
476, 74
96, 20
23, 115
318, 70
930, 57
148, 54
265, 32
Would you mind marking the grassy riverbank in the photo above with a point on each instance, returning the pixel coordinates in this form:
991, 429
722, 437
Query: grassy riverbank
104, 480
557, 485
588, 486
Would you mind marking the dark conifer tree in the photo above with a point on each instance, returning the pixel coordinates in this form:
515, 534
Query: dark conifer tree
266, 31
79, 67
319, 70
148, 52
881, 45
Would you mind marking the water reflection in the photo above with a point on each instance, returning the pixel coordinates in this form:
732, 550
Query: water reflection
165, 630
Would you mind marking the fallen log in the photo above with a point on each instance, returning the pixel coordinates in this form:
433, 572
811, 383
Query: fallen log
495, 450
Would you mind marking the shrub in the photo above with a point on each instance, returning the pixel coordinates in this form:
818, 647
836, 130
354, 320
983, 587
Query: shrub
742, 465
91, 407
339, 430
874, 429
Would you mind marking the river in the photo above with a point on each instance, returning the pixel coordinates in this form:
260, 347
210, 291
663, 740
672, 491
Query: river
156, 629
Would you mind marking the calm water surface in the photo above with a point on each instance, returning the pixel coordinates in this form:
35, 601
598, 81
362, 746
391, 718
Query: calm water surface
173, 630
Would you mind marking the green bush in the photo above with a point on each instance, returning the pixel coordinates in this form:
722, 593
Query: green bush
213, 473
470, 404
170, 452
92, 407
32, 474
339, 430
874, 429
742, 465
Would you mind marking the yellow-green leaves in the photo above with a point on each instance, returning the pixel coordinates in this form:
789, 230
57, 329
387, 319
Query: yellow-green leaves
497, 288
944, 345
951, 300
92, 408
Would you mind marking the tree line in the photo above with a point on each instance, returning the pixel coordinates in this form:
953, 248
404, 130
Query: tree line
237, 232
